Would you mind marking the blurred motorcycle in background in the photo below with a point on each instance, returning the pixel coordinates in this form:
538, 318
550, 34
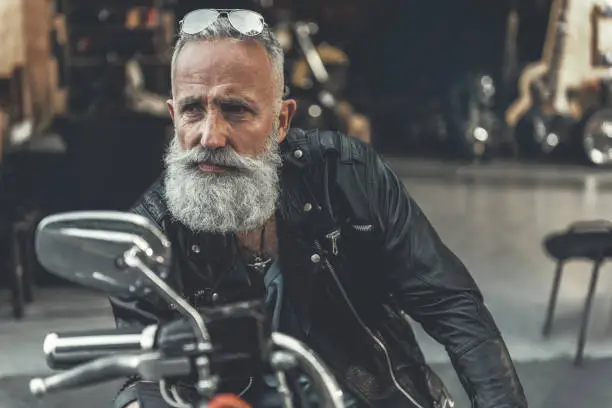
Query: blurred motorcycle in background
475, 128
316, 78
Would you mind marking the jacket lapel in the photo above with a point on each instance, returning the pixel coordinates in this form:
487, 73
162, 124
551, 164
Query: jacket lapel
296, 216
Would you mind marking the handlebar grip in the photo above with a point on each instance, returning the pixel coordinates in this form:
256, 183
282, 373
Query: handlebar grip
68, 349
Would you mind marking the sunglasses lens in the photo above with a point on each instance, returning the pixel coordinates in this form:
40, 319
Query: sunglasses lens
198, 20
246, 22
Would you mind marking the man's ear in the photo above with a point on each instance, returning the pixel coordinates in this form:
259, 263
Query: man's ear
170, 104
287, 111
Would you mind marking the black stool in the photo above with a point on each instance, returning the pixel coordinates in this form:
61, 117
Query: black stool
586, 240
27, 191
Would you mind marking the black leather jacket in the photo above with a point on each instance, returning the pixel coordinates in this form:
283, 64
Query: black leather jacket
358, 255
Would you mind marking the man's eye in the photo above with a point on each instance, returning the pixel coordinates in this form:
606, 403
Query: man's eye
191, 110
235, 109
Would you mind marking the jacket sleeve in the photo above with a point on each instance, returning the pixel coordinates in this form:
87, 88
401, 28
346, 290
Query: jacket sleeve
433, 286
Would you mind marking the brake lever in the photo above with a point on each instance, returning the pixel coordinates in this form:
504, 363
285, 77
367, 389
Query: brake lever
150, 366
99, 370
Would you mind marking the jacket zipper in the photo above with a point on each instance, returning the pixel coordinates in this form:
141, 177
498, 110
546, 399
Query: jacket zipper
248, 387
363, 228
378, 341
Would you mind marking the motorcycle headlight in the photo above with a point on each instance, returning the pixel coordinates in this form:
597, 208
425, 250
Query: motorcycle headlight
597, 137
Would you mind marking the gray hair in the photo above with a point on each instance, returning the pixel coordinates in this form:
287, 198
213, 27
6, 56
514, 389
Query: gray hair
222, 29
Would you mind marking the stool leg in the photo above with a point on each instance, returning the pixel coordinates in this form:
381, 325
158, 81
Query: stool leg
552, 301
17, 271
586, 313
27, 254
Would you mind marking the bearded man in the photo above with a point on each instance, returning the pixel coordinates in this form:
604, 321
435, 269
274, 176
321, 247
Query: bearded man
315, 223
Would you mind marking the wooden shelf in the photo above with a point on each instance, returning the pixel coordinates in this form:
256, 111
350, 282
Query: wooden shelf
99, 61
102, 26
69, 5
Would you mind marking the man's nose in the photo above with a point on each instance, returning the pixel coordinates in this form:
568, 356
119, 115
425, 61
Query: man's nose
214, 131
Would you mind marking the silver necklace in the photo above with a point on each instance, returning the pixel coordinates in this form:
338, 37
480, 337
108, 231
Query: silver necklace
260, 261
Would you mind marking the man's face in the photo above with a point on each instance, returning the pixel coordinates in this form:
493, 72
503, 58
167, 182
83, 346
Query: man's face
225, 94
222, 164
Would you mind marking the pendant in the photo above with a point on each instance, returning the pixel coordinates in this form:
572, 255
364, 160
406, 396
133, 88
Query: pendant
260, 264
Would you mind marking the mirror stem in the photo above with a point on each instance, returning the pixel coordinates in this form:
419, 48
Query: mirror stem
133, 260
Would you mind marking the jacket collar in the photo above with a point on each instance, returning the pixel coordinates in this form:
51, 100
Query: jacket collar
295, 150
298, 202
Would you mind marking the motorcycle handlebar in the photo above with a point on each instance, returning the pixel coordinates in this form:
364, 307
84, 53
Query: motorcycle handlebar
66, 350
69, 349
323, 381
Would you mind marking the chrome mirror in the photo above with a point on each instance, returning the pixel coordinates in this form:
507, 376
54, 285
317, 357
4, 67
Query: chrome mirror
88, 248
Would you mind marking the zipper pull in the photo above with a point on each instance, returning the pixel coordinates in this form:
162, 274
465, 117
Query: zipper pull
333, 238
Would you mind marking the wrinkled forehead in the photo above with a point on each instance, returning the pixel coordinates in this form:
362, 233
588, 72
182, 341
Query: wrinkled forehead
224, 64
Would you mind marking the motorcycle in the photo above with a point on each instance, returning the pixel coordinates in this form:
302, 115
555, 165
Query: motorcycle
126, 254
472, 119
316, 78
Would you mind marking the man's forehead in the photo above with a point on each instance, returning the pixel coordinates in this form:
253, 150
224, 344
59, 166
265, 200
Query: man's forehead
232, 65
188, 96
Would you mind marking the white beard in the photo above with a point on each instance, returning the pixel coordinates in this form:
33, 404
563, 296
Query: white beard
234, 201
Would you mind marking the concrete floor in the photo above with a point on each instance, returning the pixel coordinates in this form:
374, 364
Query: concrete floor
494, 217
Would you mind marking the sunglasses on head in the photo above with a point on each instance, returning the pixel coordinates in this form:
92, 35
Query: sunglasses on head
246, 22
